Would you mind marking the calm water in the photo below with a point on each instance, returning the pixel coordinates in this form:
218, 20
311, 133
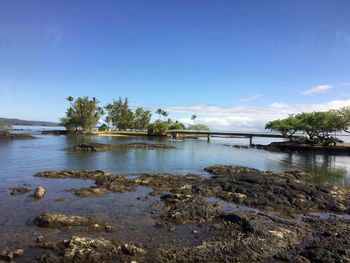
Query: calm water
134, 217
20, 159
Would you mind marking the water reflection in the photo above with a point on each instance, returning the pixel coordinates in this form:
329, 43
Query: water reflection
326, 167
22, 158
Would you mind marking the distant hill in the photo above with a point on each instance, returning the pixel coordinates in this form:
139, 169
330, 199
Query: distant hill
29, 123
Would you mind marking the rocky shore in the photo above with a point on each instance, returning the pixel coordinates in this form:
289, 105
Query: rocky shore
233, 214
284, 210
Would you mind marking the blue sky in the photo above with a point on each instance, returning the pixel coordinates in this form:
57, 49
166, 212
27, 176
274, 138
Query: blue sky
235, 64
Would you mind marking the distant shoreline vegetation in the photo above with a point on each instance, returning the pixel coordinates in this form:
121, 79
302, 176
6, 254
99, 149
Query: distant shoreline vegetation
320, 127
83, 114
18, 122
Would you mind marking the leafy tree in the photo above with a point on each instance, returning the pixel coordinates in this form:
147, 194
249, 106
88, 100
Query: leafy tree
83, 114
141, 118
158, 127
176, 126
198, 127
319, 126
120, 114
345, 115
287, 127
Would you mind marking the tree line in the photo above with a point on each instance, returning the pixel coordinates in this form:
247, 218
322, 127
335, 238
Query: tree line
319, 126
83, 114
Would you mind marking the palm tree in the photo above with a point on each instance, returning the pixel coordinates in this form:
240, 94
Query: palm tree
70, 99
159, 112
165, 114
193, 118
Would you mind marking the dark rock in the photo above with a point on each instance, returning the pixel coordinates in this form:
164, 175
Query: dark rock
19, 190
290, 147
280, 192
92, 147
188, 209
328, 242
243, 237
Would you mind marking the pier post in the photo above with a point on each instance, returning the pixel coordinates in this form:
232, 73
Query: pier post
250, 140
208, 137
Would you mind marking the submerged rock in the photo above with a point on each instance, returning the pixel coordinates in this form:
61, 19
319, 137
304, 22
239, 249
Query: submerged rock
92, 147
39, 192
19, 190
84, 249
99, 147
56, 220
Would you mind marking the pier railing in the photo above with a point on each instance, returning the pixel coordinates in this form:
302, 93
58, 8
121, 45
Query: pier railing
175, 133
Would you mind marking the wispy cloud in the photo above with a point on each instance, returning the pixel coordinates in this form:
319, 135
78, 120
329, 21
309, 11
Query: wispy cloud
343, 35
244, 117
317, 89
249, 99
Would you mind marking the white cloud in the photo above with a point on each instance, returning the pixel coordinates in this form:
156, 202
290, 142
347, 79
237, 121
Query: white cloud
244, 117
249, 99
317, 89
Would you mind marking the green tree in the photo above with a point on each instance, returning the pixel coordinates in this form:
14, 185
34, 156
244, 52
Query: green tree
176, 126
83, 114
287, 127
120, 115
141, 118
158, 127
319, 126
108, 118
345, 115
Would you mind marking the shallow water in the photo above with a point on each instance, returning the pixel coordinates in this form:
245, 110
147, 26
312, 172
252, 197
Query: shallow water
133, 216
20, 159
